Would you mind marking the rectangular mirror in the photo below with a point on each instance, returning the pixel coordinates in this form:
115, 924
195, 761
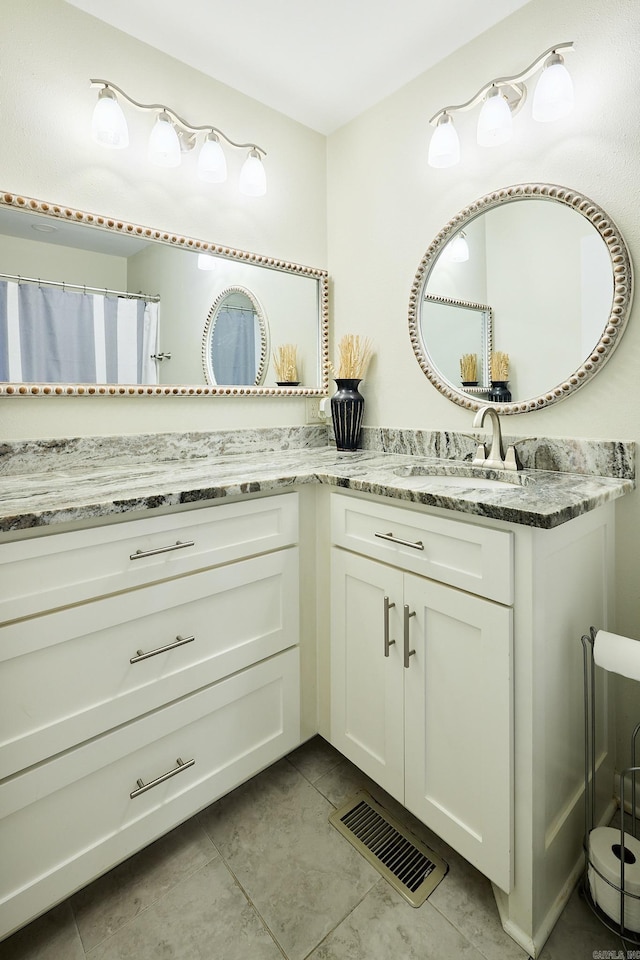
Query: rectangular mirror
95, 306
453, 329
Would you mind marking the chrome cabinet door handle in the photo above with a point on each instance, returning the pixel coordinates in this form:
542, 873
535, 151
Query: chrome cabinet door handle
143, 787
178, 545
178, 642
407, 653
416, 545
387, 642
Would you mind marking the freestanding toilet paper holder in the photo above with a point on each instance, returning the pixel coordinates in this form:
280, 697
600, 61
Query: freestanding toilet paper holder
622, 853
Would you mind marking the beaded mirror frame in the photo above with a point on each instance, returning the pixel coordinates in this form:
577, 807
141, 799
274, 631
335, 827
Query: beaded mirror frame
209, 327
115, 226
613, 328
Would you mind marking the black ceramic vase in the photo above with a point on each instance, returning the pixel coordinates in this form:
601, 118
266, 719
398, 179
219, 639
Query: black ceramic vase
499, 391
347, 408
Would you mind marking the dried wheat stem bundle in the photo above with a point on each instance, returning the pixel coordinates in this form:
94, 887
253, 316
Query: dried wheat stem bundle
469, 367
285, 362
499, 365
354, 353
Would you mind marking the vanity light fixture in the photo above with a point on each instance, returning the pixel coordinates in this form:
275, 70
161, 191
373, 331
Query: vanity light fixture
458, 248
109, 126
501, 99
164, 146
495, 123
206, 261
171, 136
212, 163
553, 96
253, 181
444, 148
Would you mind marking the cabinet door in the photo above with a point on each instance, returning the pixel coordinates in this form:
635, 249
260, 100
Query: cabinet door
366, 685
459, 723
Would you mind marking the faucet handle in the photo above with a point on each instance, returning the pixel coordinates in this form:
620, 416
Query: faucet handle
481, 455
510, 458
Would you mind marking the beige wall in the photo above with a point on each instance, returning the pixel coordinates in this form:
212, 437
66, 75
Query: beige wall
386, 205
49, 51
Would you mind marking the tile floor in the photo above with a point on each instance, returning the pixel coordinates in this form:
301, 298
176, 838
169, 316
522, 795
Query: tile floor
261, 875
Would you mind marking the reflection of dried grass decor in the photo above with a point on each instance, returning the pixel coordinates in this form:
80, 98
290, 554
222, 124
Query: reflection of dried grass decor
285, 362
355, 353
499, 366
469, 367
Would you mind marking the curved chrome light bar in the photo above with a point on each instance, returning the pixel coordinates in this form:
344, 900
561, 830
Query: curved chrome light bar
184, 125
515, 82
501, 99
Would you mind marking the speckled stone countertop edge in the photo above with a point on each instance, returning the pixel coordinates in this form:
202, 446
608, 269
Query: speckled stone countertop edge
108, 490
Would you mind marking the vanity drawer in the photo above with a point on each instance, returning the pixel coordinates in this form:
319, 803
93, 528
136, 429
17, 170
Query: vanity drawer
67, 676
66, 821
53, 571
474, 558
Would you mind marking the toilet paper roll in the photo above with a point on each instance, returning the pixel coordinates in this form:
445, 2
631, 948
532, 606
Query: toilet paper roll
604, 854
617, 654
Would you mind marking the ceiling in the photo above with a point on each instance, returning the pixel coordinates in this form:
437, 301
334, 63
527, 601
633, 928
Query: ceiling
18, 222
320, 62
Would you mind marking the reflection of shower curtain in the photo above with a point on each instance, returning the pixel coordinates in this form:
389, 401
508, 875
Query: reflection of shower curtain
233, 347
52, 335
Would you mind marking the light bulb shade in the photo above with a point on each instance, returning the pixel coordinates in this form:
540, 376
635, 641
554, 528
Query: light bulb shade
553, 96
108, 124
253, 179
212, 163
206, 261
495, 123
458, 249
444, 147
164, 145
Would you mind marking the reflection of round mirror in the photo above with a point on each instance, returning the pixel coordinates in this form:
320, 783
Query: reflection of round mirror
235, 345
547, 282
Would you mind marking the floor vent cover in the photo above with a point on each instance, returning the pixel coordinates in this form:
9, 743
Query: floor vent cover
405, 862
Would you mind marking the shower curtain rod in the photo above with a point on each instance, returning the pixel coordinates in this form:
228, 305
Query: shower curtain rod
231, 306
84, 288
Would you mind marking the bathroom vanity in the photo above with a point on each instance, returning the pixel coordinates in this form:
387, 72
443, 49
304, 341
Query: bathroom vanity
456, 684
148, 667
166, 635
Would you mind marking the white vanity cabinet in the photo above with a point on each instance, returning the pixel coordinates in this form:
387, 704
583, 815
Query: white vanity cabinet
146, 668
481, 735
421, 671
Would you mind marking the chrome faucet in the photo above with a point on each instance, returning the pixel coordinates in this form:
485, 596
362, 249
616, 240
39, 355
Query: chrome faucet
496, 458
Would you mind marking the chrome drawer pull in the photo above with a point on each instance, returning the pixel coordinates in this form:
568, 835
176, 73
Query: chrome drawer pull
178, 642
387, 643
418, 545
178, 545
407, 653
143, 787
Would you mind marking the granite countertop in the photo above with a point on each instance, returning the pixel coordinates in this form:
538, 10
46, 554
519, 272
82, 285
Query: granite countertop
103, 488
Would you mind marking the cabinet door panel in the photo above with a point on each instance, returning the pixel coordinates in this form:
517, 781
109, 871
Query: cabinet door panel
459, 723
366, 686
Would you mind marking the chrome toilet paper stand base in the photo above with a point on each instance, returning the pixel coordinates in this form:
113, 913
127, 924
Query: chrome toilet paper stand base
590, 798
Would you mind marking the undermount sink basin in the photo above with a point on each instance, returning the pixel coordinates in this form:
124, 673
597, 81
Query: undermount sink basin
462, 476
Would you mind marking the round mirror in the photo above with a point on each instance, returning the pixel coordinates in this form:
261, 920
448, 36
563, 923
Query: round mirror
520, 299
235, 345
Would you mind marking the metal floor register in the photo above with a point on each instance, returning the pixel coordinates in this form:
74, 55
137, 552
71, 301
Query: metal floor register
406, 863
